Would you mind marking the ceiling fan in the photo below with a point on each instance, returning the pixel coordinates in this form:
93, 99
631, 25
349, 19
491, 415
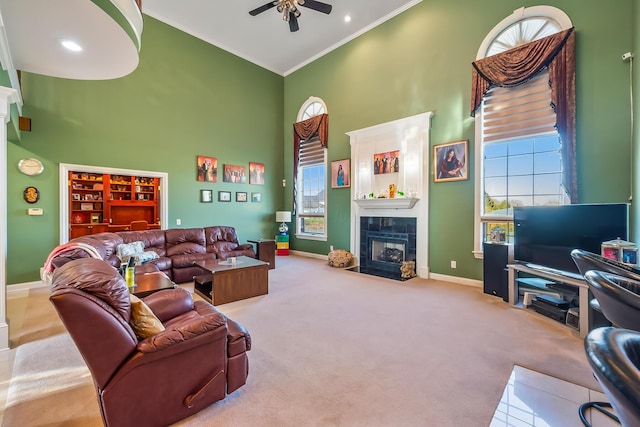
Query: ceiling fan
290, 11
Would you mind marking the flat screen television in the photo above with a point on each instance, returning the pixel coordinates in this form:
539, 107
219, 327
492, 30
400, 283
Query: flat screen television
546, 235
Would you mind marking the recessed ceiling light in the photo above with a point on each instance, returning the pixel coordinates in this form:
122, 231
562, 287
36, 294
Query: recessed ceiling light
347, 18
71, 45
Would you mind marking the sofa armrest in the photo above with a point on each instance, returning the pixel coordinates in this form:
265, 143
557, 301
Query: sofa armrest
169, 303
244, 246
199, 322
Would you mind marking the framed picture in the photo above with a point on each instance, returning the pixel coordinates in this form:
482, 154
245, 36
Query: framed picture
95, 218
235, 174
256, 197
450, 161
256, 173
86, 206
341, 173
241, 196
207, 169
206, 196
224, 196
388, 162
75, 196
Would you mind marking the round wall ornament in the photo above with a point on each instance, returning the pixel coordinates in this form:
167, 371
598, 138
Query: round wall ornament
31, 194
30, 166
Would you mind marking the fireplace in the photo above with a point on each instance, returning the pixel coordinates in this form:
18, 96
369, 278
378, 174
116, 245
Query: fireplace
385, 243
374, 210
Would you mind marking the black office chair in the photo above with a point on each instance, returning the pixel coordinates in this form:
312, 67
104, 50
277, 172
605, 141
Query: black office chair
614, 356
618, 296
619, 301
586, 261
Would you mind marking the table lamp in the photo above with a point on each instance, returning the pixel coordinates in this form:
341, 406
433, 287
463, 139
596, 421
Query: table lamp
283, 217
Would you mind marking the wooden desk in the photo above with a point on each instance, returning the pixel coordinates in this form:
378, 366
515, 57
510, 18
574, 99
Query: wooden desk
225, 282
581, 284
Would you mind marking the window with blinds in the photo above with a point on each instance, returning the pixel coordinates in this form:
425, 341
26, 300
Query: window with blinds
521, 153
311, 188
311, 197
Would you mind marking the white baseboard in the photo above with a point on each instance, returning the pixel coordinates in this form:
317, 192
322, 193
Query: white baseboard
22, 289
460, 280
309, 255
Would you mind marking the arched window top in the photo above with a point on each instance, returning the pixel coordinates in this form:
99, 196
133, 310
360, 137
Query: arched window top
311, 107
523, 26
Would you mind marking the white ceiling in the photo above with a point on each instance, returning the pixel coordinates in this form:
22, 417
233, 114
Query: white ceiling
34, 28
265, 39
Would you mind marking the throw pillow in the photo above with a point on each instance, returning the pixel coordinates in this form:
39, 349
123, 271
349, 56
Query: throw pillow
143, 322
124, 251
136, 250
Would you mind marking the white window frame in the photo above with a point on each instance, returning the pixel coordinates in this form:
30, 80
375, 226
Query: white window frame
563, 21
304, 114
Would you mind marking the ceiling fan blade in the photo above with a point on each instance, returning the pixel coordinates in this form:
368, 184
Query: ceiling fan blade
318, 5
293, 23
263, 8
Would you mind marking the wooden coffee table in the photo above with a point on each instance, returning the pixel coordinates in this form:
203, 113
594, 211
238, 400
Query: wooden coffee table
224, 281
148, 283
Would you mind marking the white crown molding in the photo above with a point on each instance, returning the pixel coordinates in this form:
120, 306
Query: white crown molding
354, 35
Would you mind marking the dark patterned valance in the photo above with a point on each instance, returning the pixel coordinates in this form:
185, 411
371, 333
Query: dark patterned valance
518, 65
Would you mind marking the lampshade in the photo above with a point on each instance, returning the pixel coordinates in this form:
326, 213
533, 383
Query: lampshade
283, 216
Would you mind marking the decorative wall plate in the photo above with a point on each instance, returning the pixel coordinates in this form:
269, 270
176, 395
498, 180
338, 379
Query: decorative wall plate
31, 194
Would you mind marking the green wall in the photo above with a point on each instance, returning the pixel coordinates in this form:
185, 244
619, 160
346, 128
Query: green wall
186, 98
189, 98
421, 61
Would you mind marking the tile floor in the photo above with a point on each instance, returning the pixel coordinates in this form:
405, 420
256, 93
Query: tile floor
534, 399
530, 398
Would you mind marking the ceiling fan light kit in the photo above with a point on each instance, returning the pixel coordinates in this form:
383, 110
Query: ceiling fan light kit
290, 11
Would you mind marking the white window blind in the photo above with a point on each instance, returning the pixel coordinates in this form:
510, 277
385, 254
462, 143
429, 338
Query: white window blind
523, 110
311, 152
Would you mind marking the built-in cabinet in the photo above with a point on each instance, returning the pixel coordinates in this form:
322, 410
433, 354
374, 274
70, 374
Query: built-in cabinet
100, 202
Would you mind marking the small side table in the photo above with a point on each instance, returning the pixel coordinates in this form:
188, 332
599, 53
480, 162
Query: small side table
266, 251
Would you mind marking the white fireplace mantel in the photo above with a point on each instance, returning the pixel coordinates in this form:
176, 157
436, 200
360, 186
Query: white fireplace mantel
385, 203
410, 137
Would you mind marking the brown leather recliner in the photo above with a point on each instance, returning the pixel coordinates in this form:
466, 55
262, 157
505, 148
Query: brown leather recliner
195, 361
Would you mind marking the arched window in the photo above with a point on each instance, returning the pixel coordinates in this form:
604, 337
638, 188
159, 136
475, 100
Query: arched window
310, 191
518, 148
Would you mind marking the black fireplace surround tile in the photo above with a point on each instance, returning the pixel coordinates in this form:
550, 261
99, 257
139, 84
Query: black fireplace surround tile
406, 225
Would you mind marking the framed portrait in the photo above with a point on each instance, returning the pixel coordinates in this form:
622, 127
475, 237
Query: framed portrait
235, 174
256, 173
388, 162
256, 197
341, 173
224, 196
450, 161
75, 196
95, 218
206, 196
207, 169
241, 196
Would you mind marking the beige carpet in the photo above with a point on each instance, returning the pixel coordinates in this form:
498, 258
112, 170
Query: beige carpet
337, 348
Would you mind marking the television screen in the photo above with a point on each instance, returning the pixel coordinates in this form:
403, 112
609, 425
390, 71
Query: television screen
546, 235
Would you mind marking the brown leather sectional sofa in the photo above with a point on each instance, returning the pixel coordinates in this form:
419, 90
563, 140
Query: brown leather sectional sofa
178, 248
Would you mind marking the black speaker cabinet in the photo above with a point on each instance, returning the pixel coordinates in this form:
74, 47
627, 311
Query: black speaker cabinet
495, 273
